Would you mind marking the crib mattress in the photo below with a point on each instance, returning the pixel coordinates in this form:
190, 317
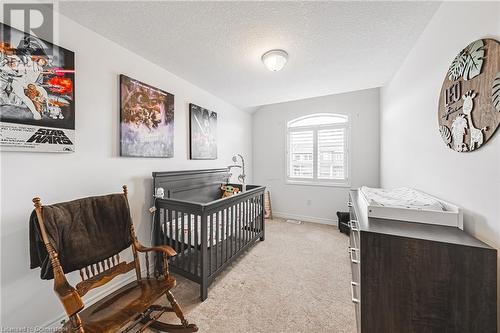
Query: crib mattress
179, 229
408, 204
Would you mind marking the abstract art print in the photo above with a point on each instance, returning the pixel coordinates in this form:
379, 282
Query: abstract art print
146, 120
37, 89
203, 130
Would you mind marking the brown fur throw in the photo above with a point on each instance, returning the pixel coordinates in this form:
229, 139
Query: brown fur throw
82, 231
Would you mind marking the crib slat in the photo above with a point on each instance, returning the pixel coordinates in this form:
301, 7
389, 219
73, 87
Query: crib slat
213, 244
249, 220
259, 208
255, 207
245, 219
249, 207
249, 223
186, 242
189, 242
164, 222
217, 227
231, 220
237, 226
240, 212
195, 243
224, 235
250, 211
233, 243
176, 232
221, 234
252, 207
252, 218
183, 243
226, 221
244, 223
209, 244
220, 215
170, 221
256, 214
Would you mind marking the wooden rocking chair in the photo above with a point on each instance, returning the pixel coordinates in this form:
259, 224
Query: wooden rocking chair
131, 308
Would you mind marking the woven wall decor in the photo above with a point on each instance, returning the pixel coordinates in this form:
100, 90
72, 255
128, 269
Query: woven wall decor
469, 103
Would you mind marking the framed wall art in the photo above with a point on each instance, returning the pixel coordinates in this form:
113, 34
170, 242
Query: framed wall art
146, 120
203, 133
37, 94
469, 102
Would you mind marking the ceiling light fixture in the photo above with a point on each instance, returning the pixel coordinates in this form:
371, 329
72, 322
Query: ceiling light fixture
275, 60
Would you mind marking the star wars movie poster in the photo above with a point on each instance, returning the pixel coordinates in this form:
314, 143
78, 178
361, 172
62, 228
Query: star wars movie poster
203, 128
37, 105
147, 120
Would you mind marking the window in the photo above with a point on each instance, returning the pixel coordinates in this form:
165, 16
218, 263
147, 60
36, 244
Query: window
317, 151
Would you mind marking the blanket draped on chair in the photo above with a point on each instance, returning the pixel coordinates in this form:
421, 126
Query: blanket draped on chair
83, 232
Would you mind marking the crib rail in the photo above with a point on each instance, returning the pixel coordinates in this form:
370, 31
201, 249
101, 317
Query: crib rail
208, 236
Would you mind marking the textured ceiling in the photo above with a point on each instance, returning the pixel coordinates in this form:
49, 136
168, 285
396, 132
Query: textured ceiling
333, 46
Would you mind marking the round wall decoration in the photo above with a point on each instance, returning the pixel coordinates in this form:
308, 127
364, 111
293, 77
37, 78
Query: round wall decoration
469, 103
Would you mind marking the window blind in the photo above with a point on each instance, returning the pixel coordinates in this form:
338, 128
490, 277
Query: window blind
331, 153
301, 154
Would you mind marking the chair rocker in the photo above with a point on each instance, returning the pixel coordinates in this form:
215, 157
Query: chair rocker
128, 309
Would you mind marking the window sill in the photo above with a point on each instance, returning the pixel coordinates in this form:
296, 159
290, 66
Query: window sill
317, 183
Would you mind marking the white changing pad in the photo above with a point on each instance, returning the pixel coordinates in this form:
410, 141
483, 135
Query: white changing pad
403, 197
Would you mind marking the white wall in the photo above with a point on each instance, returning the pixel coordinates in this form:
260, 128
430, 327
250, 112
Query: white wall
316, 203
95, 167
412, 152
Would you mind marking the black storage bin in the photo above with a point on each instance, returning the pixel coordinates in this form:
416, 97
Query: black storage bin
343, 218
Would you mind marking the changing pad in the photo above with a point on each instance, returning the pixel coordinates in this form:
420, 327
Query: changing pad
403, 197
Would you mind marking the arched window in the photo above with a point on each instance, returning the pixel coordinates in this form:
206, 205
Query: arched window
317, 149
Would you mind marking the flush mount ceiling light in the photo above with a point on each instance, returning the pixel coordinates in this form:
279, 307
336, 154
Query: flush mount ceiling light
275, 60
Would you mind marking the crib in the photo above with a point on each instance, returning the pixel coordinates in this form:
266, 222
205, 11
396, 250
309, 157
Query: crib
207, 231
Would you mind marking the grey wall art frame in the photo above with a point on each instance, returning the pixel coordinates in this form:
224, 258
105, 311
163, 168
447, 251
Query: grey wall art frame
146, 120
202, 133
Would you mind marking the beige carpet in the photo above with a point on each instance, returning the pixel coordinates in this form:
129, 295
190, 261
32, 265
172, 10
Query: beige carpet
297, 280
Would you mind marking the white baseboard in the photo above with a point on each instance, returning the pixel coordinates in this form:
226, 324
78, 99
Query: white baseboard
304, 218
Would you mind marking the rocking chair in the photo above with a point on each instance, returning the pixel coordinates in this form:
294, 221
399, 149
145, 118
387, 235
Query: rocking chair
128, 309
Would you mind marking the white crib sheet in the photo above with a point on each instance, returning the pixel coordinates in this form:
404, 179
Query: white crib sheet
403, 197
186, 222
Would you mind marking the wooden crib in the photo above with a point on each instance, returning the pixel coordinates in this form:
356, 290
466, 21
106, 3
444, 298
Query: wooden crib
207, 231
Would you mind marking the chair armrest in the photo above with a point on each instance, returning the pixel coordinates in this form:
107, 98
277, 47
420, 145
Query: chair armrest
170, 252
68, 296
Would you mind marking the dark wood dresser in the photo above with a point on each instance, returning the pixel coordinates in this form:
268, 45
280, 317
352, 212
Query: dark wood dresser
416, 278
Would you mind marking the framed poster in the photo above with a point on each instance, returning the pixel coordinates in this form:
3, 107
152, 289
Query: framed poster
146, 120
37, 94
203, 133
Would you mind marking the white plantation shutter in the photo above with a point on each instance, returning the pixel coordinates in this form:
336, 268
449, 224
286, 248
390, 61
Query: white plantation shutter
301, 153
331, 153
317, 151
